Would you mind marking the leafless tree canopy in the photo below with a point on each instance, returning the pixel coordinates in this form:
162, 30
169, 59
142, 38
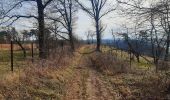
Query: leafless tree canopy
97, 10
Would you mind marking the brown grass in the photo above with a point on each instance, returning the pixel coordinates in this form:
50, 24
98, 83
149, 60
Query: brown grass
107, 63
42, 80
131, 83
49, 79
16, 47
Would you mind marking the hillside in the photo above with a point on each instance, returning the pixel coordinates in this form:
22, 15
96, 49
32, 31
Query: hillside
85, 75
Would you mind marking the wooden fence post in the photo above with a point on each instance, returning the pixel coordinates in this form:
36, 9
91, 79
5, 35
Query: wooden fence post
32, 51
12, 64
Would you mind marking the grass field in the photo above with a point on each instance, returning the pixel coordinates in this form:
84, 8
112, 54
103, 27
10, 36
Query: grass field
18, 57
16, 47
84, 75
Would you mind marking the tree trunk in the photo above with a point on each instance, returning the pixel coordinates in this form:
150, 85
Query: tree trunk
156, 64
98, 36
71, 40
138, 58
130, 58
41, 27
70, 26
167, 48
23, 49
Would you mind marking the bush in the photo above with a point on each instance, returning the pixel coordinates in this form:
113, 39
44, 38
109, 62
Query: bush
106, 62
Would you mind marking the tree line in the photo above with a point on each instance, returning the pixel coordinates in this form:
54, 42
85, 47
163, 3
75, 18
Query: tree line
148, 21
58, 16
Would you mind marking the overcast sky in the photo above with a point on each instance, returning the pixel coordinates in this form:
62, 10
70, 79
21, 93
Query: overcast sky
84, 23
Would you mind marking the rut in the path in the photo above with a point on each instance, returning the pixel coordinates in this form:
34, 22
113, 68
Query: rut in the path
96, 89
87, 85
73, 91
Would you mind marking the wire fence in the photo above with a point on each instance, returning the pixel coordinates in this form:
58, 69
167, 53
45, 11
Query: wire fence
12, 55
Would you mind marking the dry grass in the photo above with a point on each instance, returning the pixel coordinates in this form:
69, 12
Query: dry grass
49, 79
107, 63
142, 87
132, 83
15, 46
42, 80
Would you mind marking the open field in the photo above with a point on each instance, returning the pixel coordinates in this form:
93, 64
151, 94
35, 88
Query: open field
16, 47
19, 60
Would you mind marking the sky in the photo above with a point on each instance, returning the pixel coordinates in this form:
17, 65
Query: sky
83, 24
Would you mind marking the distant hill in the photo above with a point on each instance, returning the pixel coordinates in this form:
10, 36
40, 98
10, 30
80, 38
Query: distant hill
143, 47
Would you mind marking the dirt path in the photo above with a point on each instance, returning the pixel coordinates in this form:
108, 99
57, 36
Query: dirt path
97, 89
87, 84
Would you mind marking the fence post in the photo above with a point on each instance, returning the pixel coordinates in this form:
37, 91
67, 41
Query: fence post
12, 64
32, 51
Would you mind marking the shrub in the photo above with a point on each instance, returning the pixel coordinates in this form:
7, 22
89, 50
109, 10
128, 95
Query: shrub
106, 62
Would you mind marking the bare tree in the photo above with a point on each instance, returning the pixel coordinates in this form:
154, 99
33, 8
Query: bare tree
9, 16
96, 11
156, 16
14, 35
65, 10
88, 37
163, 9
92, 35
